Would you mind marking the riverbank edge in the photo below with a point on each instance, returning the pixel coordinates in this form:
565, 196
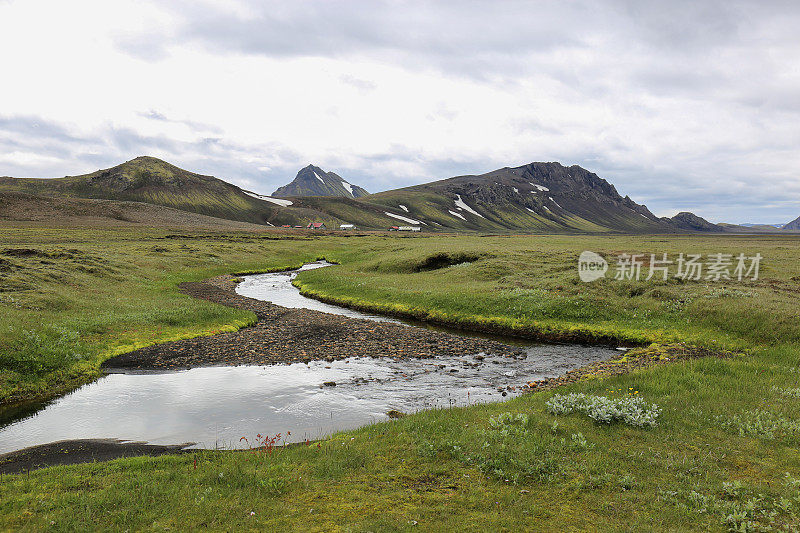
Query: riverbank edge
503, 326
66, 381
643, 350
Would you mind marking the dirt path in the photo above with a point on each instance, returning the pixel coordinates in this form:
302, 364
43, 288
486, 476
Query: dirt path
284, 335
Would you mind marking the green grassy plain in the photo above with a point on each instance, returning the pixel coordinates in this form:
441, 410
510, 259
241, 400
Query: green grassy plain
724, 455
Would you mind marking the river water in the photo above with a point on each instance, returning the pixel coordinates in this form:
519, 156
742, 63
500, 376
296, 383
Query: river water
214, 407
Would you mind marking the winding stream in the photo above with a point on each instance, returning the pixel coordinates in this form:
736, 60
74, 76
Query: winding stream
213, 407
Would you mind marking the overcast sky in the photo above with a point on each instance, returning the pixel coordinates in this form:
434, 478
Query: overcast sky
681, 105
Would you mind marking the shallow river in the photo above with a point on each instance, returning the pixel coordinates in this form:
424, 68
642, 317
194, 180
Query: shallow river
216, 406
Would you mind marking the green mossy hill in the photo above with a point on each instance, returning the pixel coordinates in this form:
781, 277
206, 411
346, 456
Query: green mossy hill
153, 181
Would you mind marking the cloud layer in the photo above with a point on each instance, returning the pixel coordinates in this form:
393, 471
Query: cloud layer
682, 105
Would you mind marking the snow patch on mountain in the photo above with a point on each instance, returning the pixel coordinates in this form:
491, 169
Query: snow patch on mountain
539, 187
457, 214
404, 219
279, 201
460, 204
348, 187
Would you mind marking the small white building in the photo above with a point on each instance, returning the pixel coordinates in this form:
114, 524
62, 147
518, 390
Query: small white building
347, 226
409, 228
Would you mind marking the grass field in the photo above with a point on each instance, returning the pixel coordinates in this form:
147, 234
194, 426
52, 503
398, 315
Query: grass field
724, 454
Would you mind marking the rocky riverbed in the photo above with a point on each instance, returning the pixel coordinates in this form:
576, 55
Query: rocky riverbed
284, 335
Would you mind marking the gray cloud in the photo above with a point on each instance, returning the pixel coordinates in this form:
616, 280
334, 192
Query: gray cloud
37, 127
193, 125
701, 99
68, 154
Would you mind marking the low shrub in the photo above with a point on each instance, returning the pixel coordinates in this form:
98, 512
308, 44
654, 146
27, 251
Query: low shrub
509, 424
762, 424
633, 411
741, 508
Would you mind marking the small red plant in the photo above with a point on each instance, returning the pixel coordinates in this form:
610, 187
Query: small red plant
265, 443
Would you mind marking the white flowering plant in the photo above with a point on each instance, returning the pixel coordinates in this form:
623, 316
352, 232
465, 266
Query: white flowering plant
631, 410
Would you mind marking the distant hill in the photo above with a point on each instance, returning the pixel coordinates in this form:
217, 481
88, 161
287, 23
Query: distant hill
750, 225
691, 222
153, 181
749, 228
794, 225
313, 181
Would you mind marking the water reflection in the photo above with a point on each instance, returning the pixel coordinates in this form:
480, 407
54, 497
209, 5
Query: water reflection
277, 288
216, 406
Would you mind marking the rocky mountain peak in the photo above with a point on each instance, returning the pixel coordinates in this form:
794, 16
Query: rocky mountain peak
311, 180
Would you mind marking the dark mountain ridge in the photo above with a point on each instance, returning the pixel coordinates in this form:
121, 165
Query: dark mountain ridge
537, 196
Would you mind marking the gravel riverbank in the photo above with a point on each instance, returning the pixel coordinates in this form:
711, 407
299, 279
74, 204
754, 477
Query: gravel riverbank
284, 335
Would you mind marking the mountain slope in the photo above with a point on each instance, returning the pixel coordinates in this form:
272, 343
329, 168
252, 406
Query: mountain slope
71, 212
153, 181
793, 225
533, 197
313, 181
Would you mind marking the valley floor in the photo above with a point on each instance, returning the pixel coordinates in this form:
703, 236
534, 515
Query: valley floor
724, 453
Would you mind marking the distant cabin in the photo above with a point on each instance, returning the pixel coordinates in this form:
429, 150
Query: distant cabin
409, 228
316, 225
393, 228
347, 226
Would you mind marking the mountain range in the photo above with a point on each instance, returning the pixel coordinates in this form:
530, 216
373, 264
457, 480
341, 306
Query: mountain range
538, 197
